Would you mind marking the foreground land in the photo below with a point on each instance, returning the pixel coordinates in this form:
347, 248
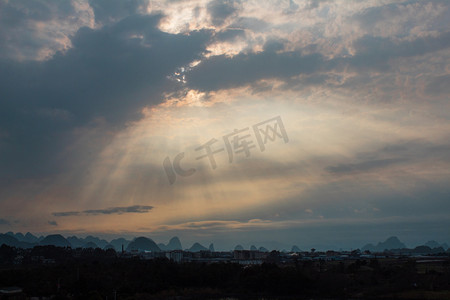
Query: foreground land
61, 273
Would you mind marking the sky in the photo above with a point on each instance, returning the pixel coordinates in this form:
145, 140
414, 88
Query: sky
315, 123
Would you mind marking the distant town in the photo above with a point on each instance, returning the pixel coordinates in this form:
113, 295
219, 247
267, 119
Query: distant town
55, 267
146, 248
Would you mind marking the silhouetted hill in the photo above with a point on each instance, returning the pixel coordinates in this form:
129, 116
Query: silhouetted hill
391, 243
295, 249
75, 242
99, 242
211, 247
9, 240
253, 248
30, 238
20, 236
55, 240
90, 245
238, 247
20, 240
109, 246
197, 248
117, 243
174, 244
262, 249
143, 243
162, 247
434, 244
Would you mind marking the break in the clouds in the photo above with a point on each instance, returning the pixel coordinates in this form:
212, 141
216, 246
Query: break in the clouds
96, 94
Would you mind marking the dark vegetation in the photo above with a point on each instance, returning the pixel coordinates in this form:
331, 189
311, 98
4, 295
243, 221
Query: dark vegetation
64, 273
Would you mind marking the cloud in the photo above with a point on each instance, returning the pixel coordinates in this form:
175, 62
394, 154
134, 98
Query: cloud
109, 211
4, 222
67, 213
36, 29
438, 85
398, 18
109, 11
222, 72
365, 166
109, 74
371, 53
229, 34
377, 52
250, 23
220, 10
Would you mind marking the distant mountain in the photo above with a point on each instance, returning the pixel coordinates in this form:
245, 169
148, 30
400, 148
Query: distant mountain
211, 247
197, 248
295, 249
174, 244
162, 247
262, 249
19, 236
90, 245
30, 238
27, 238
143, 243
99, 242
428, 250
9, 240
434, 244
239, 247
117, 243
253, 248
55, 240
75, 242
391, 243
109, 246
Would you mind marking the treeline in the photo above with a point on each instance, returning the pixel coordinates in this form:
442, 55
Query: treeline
97, 274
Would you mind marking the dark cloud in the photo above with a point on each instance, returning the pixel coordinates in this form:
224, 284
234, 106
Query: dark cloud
220, 10
109, 73
229, 34
4, 222
376, 15
107, 11
53, 223
438, 85
413, 151
293, 7
253, 24
365, 166
376, 53
221, 72
17, 33
372, 53
109, 211
67, 214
